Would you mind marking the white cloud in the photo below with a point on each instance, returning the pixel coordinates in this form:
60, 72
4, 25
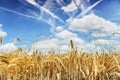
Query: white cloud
106, 45
70, 7
32, 2
101, 45
2, 33
84, 5
9, 47
65, 34
104, 42
47, 44
116, 36
100, 34
64, 48
59, 42
94, 24
75, 4
59, 28
1, 25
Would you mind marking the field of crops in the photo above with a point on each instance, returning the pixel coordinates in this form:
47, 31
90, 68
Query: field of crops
72, 65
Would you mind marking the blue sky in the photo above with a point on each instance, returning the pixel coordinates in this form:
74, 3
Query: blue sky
39, 22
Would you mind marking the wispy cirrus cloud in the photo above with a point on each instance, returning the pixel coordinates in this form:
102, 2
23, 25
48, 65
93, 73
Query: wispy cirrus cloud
45, 11
15, 12
83, 6
88, 9
35, 17
42, 8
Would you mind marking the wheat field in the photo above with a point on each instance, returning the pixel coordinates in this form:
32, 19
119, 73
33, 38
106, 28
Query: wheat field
68, 66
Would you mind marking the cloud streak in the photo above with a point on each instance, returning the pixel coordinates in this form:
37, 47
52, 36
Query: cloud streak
15, 12
38, 17
84, 9
88, 9
44, 9
52, 14
49, 20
